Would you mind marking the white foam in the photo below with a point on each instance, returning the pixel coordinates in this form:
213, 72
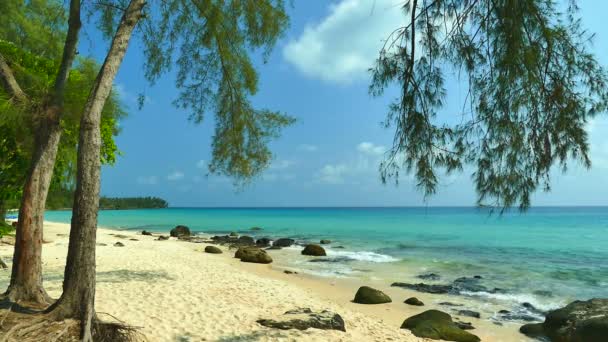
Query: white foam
517, 298
362, 256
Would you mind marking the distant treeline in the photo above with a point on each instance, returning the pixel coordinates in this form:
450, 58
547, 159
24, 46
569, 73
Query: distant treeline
132, 202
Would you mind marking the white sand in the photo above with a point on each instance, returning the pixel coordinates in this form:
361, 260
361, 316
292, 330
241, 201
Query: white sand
176, 292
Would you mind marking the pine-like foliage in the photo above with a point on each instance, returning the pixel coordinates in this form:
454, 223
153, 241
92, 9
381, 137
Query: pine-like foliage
532, 87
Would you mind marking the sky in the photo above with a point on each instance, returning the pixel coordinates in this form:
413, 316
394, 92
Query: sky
318, 73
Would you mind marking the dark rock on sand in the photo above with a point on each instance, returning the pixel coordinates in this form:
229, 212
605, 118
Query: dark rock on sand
180, 231
469, 313
255, 229
325, 242
314, 250
429, 276
119, 236
263, 242
290, 272
145, 232
213, 250
368, 295
437, 325
253, 255
162, 238
449, 304
465, 325
579, 321
304, 318
101, 244
133, 240
414, 301
283, 242
119, 244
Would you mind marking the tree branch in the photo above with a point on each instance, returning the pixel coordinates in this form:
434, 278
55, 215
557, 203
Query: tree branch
10, 83
69, 53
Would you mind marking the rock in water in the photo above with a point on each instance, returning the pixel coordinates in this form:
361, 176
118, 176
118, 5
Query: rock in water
429, 276
255, 229
579, 321
213, 250
234, 234
179, 231
437, 325
325, 242
305, 318
368, 295
284, 242
246, 240
119, 244
314, 250
469, 313
414, 301
253, 254
263, 242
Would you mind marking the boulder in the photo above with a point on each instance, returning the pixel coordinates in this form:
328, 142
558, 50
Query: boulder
314, 250
449, 304
579, 321
368, 295
119, 244
245, 240
234, 234
133, 240
325, 242
469, 313
414, 301
179, 231
290, 272
305, 318
464, 325
283, 242
263, 242
101, 244
162, 238
213, 250
253, 254
437, 325
145, 232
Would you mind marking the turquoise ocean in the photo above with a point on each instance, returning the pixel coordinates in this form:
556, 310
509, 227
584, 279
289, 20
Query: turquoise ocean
547, 256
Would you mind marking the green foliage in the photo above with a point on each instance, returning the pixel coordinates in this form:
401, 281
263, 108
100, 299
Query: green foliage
132, 203
5, 228
209, 41
532, 86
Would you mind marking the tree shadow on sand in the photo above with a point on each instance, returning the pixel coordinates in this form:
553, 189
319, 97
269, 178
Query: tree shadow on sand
121, 276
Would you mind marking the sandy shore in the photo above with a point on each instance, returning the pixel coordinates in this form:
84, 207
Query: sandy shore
176, 292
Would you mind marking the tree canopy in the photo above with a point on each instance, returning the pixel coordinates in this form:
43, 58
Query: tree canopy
532, 87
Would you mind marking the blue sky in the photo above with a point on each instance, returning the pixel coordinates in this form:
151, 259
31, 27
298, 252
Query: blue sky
317, 73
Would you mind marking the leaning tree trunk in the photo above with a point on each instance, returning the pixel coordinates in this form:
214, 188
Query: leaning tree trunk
78, 298
26, 276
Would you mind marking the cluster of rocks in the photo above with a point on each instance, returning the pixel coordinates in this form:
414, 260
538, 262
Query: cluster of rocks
305, 318
458, 286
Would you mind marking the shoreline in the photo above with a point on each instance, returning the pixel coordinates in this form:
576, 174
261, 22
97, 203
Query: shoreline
173, 290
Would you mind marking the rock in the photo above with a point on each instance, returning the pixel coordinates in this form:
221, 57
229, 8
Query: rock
465, 325
234, 234
414, 301
449, 304
368, 295
213, 250
304, 318
429, 276
469, 313
246, 240
180, 231
469, 285
162, 238
145, 232
225, 239
427, 288
133, 240
503, 312
255, 229
339, 247
101, 244
325, 242
3, 265
314, 250
290, 272
533, 309
253, 255
579, 321
437, 325
283, 242
119, 244
263, 242
332, 260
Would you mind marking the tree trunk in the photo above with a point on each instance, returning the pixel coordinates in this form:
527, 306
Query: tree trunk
3, 210
26, 276
78, 298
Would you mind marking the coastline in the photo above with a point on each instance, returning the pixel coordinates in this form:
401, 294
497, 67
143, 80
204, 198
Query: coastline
175, 291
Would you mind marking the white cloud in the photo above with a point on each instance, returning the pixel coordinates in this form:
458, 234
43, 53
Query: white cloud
370, 149
333, 174
344, 45
147, 180
201, 164
308, 148
175, 176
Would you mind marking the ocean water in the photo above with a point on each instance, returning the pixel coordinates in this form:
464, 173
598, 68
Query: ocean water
546, 256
